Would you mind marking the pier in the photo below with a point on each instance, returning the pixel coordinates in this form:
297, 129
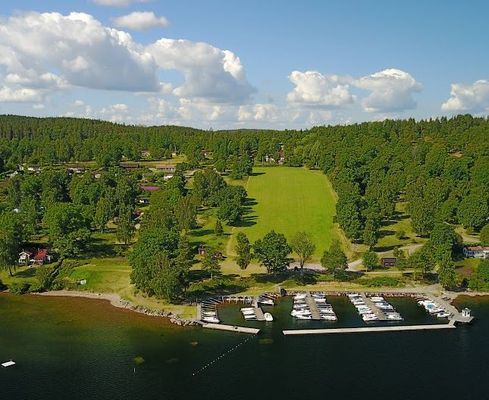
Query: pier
232, 328
313, 307
377, 311
371, 329
259, 314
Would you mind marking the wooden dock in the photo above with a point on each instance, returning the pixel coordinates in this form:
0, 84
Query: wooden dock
259, 314
371, 329
232, 328
313, 307
377, 311
456, 316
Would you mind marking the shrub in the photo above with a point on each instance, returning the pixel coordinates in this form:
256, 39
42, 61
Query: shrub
19, 287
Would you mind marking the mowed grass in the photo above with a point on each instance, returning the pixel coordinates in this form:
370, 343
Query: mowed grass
289, 200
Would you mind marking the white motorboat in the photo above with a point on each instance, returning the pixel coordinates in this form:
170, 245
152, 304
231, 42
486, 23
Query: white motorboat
300, 296
304, 316
212, 320
268, 301
268, 317
369, 317
329, 317
443, 314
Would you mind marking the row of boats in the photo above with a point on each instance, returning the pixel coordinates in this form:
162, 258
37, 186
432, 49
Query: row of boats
302, 310
209, 310
368, 314
249, 314
434, 308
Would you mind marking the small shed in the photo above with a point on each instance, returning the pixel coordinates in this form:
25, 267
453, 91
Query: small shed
387, 262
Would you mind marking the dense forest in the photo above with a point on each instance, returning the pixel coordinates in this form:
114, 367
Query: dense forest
439, 167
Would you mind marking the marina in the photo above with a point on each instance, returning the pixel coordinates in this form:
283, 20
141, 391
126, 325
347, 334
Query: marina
372, 308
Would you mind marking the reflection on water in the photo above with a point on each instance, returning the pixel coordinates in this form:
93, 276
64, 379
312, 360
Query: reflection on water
86, 349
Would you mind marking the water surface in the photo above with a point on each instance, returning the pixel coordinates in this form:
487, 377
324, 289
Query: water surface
84, 349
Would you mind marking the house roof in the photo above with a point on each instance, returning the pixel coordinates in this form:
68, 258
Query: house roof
478, 248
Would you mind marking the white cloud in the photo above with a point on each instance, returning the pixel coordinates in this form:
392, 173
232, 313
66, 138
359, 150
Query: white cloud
45, 52
210, 73
468, 98
391, 90
82, 51
259, 112
315, 89
118, 3
140, 21
9, 95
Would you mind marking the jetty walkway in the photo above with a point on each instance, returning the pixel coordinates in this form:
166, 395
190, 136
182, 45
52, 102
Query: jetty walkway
370, 329
232, 328
376, 310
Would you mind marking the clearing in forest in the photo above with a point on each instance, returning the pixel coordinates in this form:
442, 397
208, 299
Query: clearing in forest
289, 200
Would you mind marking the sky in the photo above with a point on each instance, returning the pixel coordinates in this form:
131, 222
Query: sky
244, 64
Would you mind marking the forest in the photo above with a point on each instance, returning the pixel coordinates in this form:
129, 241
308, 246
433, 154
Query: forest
438, 167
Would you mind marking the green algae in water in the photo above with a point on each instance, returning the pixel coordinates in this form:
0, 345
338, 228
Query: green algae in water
138, 360
265, 341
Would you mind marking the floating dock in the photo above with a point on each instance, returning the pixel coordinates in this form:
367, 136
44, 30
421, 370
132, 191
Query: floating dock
313, 307
377, 311
8, 364
232, 328
371, 329
456, 316
259, 314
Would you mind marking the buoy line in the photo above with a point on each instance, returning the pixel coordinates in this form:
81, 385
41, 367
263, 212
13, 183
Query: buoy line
222, 355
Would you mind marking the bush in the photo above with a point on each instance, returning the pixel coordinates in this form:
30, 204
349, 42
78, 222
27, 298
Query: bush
36, 288
19, 287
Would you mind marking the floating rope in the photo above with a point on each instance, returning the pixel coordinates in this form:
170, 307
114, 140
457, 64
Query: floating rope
222, 355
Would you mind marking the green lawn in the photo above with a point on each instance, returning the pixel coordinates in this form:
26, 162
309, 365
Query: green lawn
289, 200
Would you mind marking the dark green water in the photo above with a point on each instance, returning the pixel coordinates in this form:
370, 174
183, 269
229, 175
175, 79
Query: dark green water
84, 349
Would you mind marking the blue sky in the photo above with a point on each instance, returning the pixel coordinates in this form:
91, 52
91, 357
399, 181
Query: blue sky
225, 64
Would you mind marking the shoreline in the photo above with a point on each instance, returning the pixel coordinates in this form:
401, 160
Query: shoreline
116, 301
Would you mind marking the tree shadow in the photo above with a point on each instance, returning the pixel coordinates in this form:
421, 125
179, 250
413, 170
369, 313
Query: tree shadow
385, 233
382, 249
271, 278
216, 287
257, 173
26, 273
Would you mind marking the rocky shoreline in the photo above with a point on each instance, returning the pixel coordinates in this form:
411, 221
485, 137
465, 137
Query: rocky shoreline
116, 301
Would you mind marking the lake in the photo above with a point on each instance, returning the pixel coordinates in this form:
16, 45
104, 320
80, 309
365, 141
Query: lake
71, 348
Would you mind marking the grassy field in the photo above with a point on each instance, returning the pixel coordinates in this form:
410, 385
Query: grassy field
289, 200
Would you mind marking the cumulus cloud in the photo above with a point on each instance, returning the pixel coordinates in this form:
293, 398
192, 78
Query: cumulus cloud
315, 89
468, 98
118, 3
42, 52
391, 90
210, 73
78, 47
259, 112
140, 21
